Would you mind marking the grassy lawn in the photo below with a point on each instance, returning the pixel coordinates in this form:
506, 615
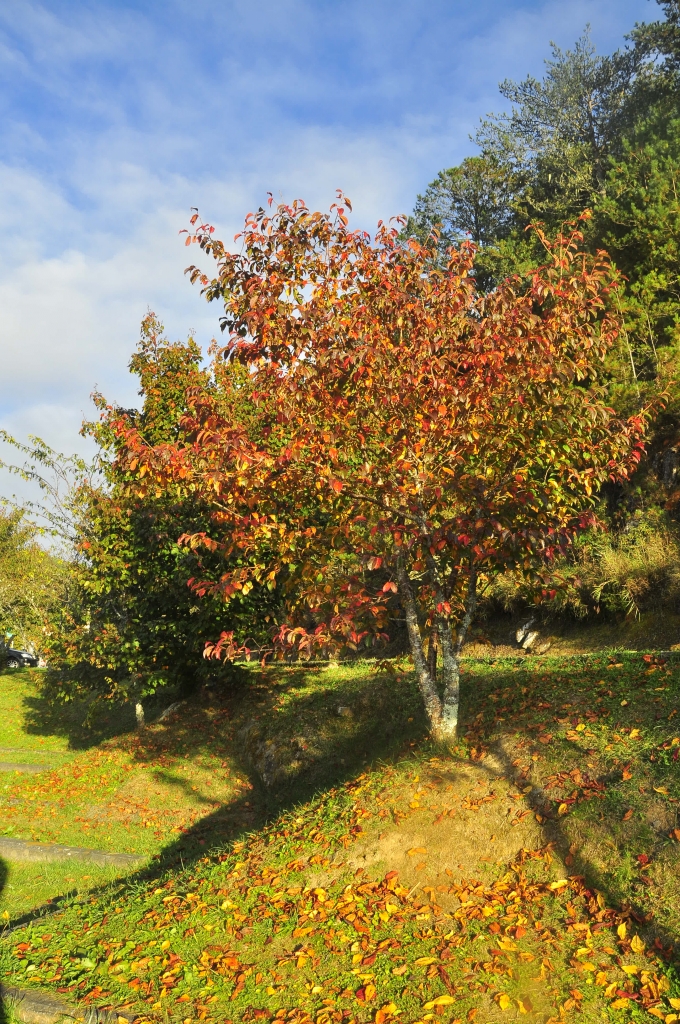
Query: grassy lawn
317, 860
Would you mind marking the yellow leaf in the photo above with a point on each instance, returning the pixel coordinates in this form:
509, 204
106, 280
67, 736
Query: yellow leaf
560, 883
439, 1001
588, 966
661, 789
415, 850
619, 1004
637, 944
424, 961
670, 1019
601, 978
370, 991
524, 1005
634, 733
504, 1001
675, 1003
621, 930
630, 968
507, 944
611, 989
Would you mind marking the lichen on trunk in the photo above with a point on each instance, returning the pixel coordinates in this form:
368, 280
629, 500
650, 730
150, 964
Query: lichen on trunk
442, 711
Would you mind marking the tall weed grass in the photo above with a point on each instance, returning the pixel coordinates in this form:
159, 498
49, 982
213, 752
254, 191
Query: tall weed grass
628, 572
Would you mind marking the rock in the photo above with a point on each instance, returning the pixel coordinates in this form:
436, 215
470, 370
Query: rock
344, 712
170, 710
543, 647
530, 639
523, 630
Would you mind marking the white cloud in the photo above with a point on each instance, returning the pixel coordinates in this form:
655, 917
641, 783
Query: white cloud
116, 124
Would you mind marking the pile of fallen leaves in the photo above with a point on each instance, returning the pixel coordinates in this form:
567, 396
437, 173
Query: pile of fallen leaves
281, 929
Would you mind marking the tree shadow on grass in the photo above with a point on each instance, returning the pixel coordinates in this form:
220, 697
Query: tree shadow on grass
301, 731
4, 872
318, 748
85, 723
583, 805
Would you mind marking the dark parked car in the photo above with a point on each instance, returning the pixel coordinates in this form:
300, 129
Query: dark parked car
19, 659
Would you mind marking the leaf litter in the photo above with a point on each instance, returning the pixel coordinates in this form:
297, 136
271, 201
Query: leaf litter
309, 920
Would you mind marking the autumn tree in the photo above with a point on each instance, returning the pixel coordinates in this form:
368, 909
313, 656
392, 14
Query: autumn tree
414, 438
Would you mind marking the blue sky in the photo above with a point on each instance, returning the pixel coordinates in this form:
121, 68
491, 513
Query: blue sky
116, 118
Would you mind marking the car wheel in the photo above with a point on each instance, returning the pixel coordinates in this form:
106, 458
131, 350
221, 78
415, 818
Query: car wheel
13, 663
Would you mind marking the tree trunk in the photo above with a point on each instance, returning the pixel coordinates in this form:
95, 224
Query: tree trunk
433, 705
139, 715
442, 713
432, 655
448, 727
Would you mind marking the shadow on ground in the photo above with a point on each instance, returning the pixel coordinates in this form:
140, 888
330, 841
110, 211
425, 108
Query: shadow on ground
294, 732
4, 872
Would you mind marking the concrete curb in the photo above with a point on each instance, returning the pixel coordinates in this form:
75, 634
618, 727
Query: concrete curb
21, 850
45, 1008
33, 769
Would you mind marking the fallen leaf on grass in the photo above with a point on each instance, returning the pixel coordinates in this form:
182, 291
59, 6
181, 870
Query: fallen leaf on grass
661, 789
415, 850
628, 815
385, 1012
504, 1001
675, 1003
439, 1001
560, 883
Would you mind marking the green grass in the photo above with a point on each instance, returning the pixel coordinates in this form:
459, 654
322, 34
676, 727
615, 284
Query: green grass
279, 897
31, 885
19, 695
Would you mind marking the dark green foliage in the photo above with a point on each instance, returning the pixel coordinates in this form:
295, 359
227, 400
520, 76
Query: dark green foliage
637, 220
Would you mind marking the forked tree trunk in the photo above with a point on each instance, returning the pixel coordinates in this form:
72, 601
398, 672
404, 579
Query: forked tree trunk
428, 689
442, 712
